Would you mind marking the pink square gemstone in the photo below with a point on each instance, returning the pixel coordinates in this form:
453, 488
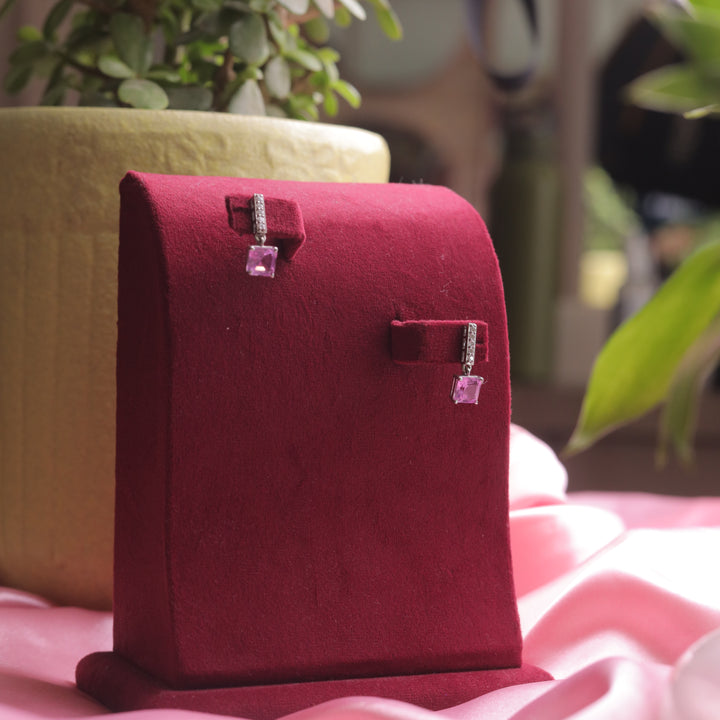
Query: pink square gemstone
466, 389
261, 260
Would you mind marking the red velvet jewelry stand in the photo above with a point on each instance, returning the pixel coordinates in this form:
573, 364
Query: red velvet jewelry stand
302, 511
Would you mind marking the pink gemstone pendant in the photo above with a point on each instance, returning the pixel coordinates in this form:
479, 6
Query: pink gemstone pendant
466, 389
261, 260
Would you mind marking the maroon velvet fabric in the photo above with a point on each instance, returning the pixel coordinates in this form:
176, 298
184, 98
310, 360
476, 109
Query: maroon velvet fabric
435, 341
122, 687
293, 506
284, 221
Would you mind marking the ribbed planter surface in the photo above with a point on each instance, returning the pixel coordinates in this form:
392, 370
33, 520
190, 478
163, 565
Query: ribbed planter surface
58, 280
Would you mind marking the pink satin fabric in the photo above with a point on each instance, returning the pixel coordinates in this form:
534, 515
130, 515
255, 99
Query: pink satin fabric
619, 598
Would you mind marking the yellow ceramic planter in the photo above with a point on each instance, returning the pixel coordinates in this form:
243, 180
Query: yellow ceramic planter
58, 256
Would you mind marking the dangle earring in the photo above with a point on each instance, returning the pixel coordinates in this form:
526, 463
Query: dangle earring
262, 258
466, 387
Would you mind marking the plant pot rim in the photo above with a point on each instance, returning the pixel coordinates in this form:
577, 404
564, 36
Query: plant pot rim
190, 116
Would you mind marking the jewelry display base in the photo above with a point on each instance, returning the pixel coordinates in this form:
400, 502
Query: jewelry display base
122, 686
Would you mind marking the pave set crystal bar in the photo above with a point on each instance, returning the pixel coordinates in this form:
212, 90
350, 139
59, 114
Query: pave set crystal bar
262, 258
259, 219
469, 343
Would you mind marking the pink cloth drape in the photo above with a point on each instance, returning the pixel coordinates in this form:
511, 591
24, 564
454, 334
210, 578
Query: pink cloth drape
619, 598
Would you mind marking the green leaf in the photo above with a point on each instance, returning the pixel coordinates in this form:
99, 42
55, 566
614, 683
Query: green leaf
342, 17
674, 88
189, 98
28, 33
114, 67
387, 19
54, 95
54, 18
17, 77
277, 77
698, 35
355, 8
679, 417
164, 74
317, 30
56, 86
272, 110
132, 43
249, 41
329, 66
304, 58
634, 370
710, 4
330, 103
702, 112
248, 100
347, 92
144, 94
296, 7
328, 55
207, 5
6, 6
28, 53
280, 35
326, 7
93, 98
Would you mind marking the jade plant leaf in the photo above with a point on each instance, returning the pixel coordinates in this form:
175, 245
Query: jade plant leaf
28, 33
17, 77
326, 7
249, 41
6, 6
317, 30
248, 100
342, 17
297, 7
29, 53
189, 98
355, 8
387, 19
207, 5
55, 17
132, 43
114, 67
144, 94
635, 369
348, 92
277, 77
304, 58
330, 103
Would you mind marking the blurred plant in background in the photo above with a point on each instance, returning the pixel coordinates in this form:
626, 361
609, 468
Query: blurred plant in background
253, 57
665, 353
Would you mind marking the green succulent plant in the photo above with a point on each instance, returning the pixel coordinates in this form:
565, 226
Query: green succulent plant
664, 354
252, 57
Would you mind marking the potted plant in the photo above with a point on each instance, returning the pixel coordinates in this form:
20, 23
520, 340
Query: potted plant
257, 66
665, 353
252, 57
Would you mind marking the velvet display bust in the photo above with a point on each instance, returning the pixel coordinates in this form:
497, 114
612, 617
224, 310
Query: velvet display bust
302, 511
